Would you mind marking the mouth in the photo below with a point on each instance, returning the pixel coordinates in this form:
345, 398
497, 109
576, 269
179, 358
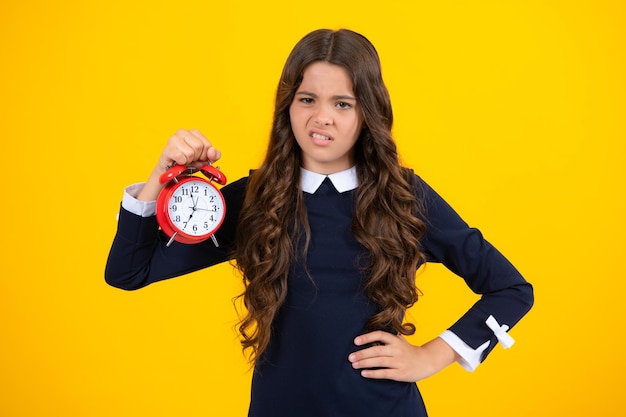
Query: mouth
321, 137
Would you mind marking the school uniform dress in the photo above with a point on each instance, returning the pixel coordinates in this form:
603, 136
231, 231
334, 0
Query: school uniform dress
305, 370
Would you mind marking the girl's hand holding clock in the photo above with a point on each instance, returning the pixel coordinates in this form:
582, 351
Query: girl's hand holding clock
185, 147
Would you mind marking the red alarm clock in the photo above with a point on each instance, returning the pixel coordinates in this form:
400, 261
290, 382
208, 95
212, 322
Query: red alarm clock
190, 208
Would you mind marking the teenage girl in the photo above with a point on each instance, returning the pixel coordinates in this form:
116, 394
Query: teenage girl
328, 234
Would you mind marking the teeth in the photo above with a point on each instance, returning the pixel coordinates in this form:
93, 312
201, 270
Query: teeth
318, 136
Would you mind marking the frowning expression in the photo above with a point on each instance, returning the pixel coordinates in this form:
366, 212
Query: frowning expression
326, 118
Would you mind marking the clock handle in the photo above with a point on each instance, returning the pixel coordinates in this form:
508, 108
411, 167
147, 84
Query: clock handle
214, 174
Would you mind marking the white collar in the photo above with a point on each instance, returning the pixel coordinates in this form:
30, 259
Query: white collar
343, 180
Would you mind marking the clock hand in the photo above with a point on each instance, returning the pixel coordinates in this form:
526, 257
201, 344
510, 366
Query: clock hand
188, 220
195, 203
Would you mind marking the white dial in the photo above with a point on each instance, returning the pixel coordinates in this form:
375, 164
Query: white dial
196, 208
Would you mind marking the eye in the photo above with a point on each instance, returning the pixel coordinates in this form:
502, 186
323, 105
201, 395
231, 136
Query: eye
343, 105
306, 100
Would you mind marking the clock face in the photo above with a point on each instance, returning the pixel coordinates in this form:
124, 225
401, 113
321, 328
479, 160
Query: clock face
196, 208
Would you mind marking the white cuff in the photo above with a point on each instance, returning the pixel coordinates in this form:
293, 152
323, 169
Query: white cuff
140, 208
470, 358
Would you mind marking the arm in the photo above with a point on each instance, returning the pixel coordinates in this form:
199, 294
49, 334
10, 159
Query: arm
138, 255
505, 298
505, 295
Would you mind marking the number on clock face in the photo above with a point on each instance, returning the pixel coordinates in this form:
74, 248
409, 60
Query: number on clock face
196, 208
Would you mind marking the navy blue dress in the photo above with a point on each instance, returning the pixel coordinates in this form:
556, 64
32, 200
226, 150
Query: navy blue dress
305, 370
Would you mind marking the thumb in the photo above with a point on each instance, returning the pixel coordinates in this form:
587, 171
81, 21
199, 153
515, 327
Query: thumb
213, 154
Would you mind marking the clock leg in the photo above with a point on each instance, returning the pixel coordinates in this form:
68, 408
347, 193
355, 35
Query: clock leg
171, 239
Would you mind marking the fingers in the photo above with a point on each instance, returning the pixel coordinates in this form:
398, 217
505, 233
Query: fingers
374, 337
211, 153
379, 355
388, 358
384, 373
189, 147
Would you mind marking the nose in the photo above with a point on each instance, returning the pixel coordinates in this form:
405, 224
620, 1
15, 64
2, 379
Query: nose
322, 117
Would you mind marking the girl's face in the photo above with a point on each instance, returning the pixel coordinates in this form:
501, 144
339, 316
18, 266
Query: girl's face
326, 118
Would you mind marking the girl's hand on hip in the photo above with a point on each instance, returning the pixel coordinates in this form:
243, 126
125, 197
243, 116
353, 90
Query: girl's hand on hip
393, 357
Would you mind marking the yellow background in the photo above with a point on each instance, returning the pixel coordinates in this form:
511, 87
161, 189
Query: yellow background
513, 110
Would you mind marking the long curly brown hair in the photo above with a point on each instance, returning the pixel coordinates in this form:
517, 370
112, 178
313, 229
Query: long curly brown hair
387, 218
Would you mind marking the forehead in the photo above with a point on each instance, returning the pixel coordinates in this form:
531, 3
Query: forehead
324, 76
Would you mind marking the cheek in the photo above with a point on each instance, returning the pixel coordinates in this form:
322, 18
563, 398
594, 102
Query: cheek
357, 128
299, 121
295, 117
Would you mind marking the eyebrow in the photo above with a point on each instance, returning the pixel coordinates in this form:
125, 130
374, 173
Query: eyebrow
337, 97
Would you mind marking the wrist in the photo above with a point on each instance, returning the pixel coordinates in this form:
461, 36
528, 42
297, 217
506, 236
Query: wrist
441, 354
153, 186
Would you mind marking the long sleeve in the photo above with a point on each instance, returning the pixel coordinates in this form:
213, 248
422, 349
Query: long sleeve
505, 295
139, 255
